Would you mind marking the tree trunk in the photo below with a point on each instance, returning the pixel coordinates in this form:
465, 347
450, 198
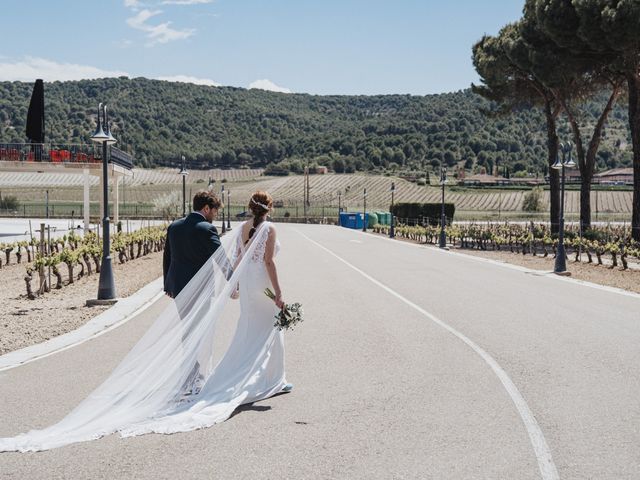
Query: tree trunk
585, 201
56, 272
87, 261
27, 280
633, 82
70, 268
587, 159
96, 260
554, 177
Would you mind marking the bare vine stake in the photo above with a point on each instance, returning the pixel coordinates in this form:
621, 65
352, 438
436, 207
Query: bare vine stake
42, 287
31, 241
49, 250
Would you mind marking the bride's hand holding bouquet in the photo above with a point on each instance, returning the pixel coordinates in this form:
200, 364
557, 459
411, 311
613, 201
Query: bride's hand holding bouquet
289, 315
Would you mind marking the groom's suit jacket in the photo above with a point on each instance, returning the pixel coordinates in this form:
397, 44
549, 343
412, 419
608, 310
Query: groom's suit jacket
190, 242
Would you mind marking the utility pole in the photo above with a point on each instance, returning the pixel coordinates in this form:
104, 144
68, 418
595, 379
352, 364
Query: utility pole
307, 203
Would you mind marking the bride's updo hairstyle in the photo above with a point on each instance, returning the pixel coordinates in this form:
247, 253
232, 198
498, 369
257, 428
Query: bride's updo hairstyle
260, 203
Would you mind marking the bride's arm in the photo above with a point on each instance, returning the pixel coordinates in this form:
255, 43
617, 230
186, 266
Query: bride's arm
269, 252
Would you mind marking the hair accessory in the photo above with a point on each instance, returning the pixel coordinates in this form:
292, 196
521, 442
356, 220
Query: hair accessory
260, 204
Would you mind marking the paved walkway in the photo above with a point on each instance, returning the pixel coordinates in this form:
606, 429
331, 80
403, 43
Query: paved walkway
412, 363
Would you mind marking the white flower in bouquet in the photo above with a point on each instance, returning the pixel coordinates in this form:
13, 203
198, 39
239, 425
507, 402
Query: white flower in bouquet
289, 316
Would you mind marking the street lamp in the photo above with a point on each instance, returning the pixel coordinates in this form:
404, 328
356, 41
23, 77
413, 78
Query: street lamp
184, 173
364, 214
106, 284
339, 205
224, 227
228, 208
560, 266
392, 230
443, 220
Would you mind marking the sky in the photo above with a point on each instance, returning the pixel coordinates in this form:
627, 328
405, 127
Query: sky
329, 47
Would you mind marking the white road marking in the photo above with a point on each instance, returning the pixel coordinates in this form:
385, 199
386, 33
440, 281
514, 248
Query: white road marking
546, 465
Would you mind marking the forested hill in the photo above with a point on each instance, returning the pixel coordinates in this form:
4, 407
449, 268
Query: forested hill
223, 126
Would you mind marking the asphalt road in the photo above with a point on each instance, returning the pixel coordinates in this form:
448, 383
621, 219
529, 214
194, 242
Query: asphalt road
412, 363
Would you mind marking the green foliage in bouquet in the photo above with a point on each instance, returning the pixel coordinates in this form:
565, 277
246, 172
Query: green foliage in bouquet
289, 316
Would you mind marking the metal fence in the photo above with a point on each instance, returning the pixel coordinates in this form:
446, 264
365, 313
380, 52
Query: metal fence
61, 153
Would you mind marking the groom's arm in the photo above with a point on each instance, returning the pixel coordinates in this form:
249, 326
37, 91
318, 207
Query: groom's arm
166, 259
213, 240
214, 243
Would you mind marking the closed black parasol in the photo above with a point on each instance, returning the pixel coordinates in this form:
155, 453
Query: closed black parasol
35, 115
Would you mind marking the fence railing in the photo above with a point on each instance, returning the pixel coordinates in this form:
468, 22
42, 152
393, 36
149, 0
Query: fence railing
290, 213
61, 153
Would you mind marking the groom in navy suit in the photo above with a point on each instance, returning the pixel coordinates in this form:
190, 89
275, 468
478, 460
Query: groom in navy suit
190, 242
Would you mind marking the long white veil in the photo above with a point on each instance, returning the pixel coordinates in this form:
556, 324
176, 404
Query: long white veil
161, 383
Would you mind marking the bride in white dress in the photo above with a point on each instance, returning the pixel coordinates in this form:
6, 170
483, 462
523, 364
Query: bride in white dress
154, 389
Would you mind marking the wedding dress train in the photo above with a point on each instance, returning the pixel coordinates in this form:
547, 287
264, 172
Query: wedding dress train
149, 391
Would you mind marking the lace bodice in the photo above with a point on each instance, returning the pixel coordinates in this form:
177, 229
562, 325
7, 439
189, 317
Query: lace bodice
258, 252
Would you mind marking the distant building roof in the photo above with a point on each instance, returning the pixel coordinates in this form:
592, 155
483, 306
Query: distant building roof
615, 172
483, 178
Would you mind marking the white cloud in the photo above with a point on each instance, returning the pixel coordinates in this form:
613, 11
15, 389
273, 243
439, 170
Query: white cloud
134, 4
122, 43
30, 68
188, 79
161, 33
185, 2
139, 20
266, 84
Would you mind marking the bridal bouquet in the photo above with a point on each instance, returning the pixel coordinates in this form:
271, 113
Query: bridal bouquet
289, 316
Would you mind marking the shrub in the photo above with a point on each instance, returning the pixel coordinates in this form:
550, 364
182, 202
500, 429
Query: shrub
431, 212
8, 203
533, 200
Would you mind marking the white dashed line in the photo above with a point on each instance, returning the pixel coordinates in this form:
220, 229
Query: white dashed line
541, 448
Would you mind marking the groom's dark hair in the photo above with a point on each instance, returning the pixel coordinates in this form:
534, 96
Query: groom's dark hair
204, 198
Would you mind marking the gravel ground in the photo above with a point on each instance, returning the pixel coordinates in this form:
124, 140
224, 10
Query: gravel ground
588, 272
600, 274
25, 322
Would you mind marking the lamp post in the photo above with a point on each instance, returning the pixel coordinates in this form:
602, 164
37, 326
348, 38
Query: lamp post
560, 266
443, 220
224, 226
228, 208
184, 173
339, 205
106, 284
392, 230
364, 214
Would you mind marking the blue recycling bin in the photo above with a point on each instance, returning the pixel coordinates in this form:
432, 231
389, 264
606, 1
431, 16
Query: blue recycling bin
352, 220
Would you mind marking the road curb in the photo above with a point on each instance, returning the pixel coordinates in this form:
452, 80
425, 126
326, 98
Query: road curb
511, 266
119, 314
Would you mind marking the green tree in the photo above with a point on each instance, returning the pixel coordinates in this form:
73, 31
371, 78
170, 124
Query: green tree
610, 28
508, 79
568, 66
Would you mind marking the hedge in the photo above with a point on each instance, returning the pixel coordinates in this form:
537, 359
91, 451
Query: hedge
414, 213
